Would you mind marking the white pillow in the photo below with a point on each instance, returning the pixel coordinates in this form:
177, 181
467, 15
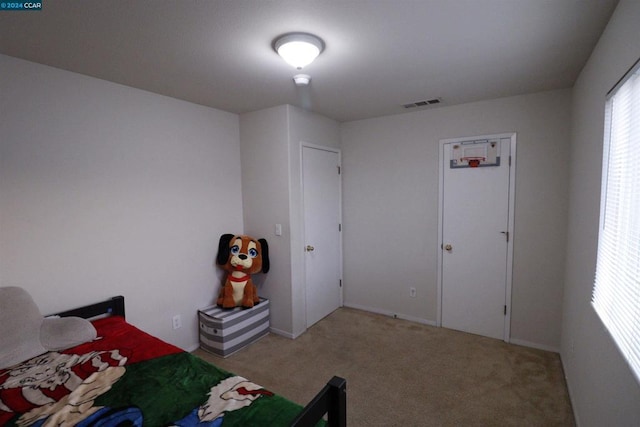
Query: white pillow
20, 322
65, 332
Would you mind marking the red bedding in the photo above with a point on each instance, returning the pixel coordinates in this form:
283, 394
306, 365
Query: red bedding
128, 377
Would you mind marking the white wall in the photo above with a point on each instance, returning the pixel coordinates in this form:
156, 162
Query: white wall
264, 151
108, 190
271, 150
602, 387
390, 208
312, 129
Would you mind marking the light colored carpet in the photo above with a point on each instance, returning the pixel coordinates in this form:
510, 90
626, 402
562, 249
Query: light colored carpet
400, 373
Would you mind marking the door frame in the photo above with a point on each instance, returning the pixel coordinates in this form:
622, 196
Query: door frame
512, 192
304, 145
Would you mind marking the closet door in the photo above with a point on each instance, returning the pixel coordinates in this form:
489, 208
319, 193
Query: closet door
476, 232
322, 229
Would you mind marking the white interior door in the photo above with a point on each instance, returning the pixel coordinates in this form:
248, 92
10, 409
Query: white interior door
476, 223
323, 248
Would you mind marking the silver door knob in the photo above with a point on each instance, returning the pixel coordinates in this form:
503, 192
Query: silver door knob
448, 247
310, 248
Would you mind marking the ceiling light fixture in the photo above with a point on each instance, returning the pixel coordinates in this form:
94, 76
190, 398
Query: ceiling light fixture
298, 49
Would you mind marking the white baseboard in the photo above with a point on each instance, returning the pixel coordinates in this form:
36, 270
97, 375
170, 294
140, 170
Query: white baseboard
192, 348
576, 418
433, 323
392, 314
534, 345
283, 333
402, 316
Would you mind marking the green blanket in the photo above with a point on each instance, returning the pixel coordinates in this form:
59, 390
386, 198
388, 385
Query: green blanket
129, 378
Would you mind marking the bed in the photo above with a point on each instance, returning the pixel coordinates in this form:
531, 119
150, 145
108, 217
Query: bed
127, 377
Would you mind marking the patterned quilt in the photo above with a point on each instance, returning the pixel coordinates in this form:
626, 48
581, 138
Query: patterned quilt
129, 378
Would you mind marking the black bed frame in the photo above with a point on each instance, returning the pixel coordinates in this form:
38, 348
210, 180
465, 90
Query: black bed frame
111, 307
331, 400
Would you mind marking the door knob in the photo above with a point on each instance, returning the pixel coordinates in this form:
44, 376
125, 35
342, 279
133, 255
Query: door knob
448, 247
310, 248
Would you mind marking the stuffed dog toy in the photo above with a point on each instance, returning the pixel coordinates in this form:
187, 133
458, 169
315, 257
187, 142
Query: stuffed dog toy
241, 256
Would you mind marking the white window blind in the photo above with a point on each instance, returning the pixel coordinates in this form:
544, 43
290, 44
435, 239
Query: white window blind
616, 293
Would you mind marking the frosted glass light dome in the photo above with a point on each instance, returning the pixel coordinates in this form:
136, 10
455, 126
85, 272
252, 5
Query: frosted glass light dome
298, 49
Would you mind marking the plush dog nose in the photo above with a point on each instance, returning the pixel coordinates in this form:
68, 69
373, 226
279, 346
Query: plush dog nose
242, 256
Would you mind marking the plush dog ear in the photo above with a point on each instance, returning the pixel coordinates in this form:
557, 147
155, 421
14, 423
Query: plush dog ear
223, 249
265, 255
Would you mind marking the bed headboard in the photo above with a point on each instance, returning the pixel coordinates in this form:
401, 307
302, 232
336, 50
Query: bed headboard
111, 307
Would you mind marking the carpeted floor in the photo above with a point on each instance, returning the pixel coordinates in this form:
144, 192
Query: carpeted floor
400, 373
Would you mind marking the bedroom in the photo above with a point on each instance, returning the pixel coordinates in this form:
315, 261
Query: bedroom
105, 189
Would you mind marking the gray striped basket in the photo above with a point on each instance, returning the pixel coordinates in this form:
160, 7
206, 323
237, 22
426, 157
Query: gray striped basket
224, 331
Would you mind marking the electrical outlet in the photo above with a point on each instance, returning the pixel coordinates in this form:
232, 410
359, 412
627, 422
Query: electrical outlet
412, 292
177, 322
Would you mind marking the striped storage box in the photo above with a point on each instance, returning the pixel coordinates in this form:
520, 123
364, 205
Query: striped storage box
224, 331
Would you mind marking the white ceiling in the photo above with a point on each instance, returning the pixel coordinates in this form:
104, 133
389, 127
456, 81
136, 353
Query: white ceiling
379, 54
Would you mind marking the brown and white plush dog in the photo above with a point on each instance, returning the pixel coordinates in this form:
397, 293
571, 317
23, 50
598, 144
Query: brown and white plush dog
241, 256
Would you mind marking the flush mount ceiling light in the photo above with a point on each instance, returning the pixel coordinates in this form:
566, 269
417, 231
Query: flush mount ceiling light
298, 49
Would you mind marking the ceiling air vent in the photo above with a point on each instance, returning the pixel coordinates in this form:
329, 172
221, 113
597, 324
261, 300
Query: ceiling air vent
423, 103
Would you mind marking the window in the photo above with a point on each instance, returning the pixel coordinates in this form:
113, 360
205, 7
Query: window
616, 293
